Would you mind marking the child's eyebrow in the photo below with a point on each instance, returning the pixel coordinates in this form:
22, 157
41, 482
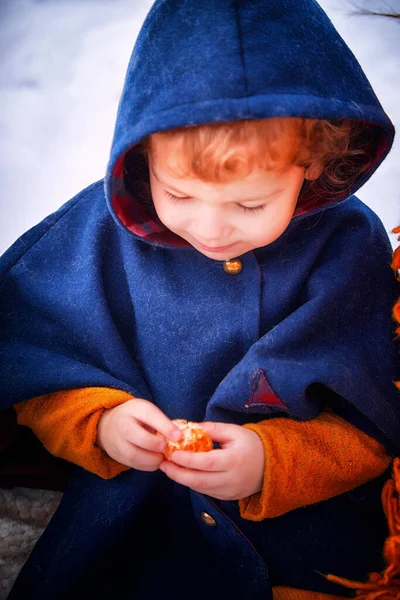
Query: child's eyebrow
171, 187
164, 183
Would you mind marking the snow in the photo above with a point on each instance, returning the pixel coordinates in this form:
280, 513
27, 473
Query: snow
62, 66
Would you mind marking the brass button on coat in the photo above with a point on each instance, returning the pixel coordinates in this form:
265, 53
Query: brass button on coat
208, 519
233, 267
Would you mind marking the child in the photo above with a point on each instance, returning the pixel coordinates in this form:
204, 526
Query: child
224, 273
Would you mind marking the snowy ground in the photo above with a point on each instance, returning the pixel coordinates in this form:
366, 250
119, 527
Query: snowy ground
62, 65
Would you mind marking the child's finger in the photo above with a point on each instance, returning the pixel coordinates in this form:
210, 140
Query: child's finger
214, 460
141, 437
151, 415
137, 458
198, 481
220, 432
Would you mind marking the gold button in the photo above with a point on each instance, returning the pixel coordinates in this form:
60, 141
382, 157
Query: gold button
233, 267
208, 519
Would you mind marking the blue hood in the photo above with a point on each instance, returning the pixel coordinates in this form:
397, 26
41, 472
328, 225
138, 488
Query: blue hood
217, 60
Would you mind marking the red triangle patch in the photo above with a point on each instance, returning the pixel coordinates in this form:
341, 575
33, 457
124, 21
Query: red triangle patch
262, 393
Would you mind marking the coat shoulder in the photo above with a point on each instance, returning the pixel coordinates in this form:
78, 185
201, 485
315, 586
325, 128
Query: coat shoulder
349, 228
354, 208
88, 206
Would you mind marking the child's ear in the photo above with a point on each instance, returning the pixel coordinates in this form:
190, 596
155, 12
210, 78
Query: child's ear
314, 171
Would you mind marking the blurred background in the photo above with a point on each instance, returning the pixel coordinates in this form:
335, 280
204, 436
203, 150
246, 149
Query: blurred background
62, 66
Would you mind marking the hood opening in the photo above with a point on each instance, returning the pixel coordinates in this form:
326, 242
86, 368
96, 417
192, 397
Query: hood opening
133, 205
322, 193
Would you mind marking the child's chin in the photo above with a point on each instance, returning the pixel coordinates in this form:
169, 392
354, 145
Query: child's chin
223, 255
217, 255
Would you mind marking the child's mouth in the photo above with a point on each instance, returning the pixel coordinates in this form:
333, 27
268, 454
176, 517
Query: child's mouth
215, 248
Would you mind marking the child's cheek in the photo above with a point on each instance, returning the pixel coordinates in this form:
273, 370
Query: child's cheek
166, 214
172, 220
261, 235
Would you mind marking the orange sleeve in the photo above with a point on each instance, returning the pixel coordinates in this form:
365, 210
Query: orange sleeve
310, 461
66, 424
288, 593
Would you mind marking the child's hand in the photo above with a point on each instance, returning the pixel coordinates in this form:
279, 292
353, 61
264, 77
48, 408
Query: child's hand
234, 471
128, 434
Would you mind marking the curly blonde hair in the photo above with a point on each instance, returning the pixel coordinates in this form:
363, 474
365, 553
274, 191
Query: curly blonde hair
221, 152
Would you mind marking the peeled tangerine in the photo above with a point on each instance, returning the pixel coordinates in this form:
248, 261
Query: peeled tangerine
194, 439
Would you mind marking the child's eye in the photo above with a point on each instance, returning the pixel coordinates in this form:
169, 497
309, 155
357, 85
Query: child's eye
175, 198
252, 209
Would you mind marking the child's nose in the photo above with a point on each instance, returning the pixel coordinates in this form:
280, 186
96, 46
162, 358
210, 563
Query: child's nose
213, 227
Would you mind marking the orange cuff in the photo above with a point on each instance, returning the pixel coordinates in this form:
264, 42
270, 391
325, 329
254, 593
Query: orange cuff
310, 461
66, 424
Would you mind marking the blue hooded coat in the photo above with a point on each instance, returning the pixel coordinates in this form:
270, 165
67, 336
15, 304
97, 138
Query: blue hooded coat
101, 294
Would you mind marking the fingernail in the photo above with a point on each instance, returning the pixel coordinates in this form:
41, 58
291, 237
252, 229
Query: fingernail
176, 435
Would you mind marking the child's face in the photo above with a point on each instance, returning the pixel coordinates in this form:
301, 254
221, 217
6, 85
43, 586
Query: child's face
225, 220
